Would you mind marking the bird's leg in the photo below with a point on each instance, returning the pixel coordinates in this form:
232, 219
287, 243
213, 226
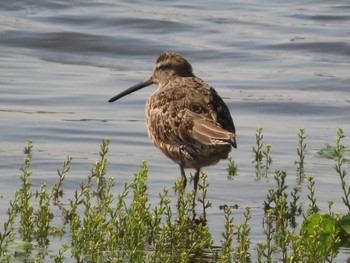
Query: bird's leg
183, 175
181, 189
195, 180
195, 184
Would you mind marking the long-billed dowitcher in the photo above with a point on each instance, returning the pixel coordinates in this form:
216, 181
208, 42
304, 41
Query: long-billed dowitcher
186, 119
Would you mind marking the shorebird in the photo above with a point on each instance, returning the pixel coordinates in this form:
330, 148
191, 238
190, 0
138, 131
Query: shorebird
186, 118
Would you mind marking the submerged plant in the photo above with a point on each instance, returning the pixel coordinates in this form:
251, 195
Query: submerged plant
261, 166
258, 151
332, 152
231, 168
301, 154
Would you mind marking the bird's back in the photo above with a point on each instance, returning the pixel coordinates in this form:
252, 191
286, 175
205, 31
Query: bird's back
189, 122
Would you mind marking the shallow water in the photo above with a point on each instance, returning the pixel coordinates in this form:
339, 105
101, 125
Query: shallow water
278, 66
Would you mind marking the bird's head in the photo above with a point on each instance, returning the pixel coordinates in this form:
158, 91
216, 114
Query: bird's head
168, 66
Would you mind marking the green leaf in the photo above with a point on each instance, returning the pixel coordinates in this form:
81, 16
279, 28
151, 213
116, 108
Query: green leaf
344, 224
320, 225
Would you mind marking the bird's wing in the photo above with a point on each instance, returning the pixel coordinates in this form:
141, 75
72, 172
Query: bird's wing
211, 119
206, 131
189, 111
221, 112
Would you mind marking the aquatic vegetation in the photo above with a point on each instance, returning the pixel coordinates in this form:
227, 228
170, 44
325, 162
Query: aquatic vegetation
262, 158
231, 167
99, 225
339, 153
332, 152
301, 154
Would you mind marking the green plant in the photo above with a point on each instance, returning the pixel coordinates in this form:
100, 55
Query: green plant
8, 232
261, 167
43, 217
339, 152
321, 237
59, 257
227, 244
328, 151
301, 154
203, 185
56, 190
90, 229
231, 168
104, 226
258, 151
282, 214
277, 200
267, 249
242, 253
313, 209
24, 196
280, 221
190, 237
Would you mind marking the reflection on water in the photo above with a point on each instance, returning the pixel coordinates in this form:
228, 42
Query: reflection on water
278, 66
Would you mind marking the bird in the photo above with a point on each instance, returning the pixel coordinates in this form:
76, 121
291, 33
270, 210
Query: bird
186, 118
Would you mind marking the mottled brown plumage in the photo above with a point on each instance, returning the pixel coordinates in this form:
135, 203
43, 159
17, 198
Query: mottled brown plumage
186, 118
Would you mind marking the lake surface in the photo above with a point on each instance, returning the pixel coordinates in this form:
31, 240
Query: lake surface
278, 66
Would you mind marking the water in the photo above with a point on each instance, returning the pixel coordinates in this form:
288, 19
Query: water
278, 66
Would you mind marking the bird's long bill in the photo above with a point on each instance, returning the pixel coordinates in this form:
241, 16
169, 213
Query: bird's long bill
132, 89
